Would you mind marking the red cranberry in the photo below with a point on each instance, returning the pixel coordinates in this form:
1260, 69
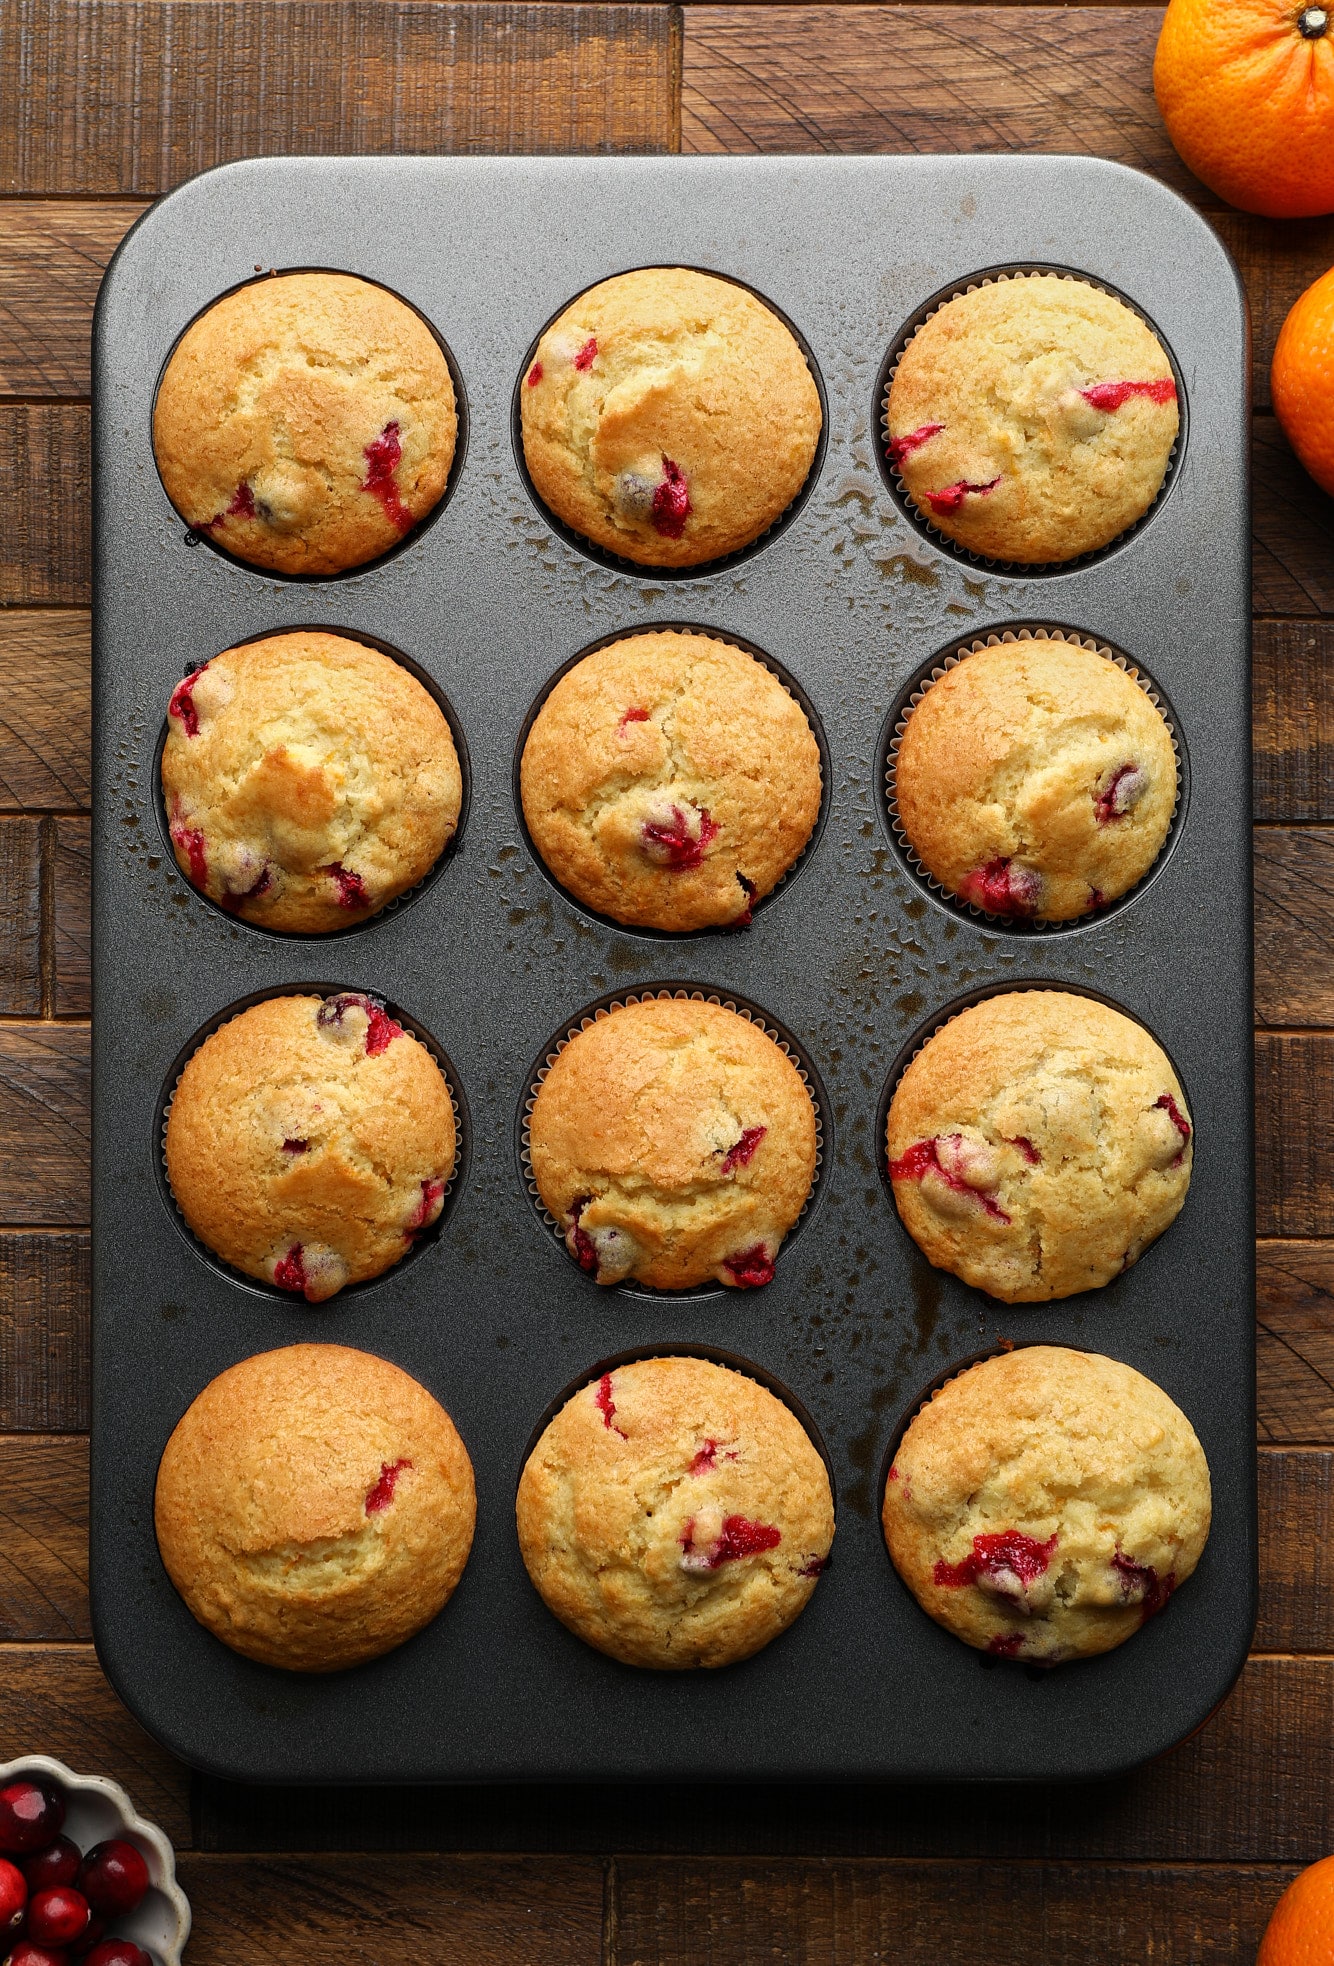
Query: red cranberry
901, 447
96, 1932
26, 1953
13, 1898
534, 375
58, 1864
951, 497
750, 1269
747, 915
241, 507
743, 1151
116, 1952
1008, 1560
671, 501
32, 1814
377, 1501
1001, 888
57, 1917
383, 456
1111, 395
351, 888
113, 1878
587, 355
739, 1537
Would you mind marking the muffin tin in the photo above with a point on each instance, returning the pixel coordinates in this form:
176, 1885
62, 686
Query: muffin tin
857, 960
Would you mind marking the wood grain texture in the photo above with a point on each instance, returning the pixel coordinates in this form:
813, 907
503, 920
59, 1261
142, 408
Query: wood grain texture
1294, 925
1294, 1134
43, 1538
45, 710
430, 1911
55, 1700
45, 1282
1278, 260
1295, 1341
45, 1124
927, 79
170, 87
1296, 1551
20, 917
1292, 555
45, 495
71, 989
693, 1912
1293, 721
53, 258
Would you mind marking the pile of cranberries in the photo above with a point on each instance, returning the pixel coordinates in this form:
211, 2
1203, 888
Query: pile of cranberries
56, 1904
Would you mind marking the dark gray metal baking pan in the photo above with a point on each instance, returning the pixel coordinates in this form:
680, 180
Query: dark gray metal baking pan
852, 958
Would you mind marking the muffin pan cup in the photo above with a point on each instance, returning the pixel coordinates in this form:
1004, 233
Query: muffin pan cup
853, 601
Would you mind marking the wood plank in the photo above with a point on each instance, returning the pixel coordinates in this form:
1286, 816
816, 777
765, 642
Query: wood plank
55, 1700
1295, 1341
45, 1282
1293, 721
52, 260
170, 87
1278, 260
45, 710
1294, 1134
1292, 549
45, 1123
45, 494
725, 1912
44, 1538
1296, 1491
71, 917
1294, 925
927, 79
20, 917
433, 1911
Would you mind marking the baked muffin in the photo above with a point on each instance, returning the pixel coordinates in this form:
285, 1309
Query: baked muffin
1045, 1503
1038, 1143
670, 781
306, 422
308, 780
1036, 780
669, 417
315, 1507
675, 1143
1032, 419
675, 1514
310, 1142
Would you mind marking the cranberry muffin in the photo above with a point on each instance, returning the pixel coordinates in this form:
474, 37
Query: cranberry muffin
1045, 1503
1038, 1143
670, 781
1032, 419
315, 1507
306, 422
310, 1141
675, 1143
1036, 780
669, 417
308, 781
675, 1514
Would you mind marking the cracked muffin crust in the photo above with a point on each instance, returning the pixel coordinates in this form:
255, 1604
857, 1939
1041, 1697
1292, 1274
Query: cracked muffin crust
308, 780
310, 1142
670, 781
1036, 780
675, 1514
1045, 1503
1038, 1143
1033, 418
306, 422
315, 1507
675, 1143
669, 417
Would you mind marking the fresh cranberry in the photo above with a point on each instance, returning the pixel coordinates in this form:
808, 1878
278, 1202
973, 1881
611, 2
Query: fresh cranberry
116, 1952
182, 704
750, 1268
289, 1272
381, 1030
1141, 1584
1124, 789
671, 502
578, 1241
534, 375
635, 715
1006, 1645
587, 355
32, 1815
351, 888
1111, 395
743, 1152
383, 1492
747, 915
1179, 1121
1026, 1148
428, 1208
383, 456
901, 447
96, 1932
13, 1897
951, 497
191, 842
923, 1158
57, 1864
814, 1566
295, 1146
1009, 1561
706, 1460
231, 899
671, 844
1001, 888
57, 1917
738, 1538
27, 1953
606, 1405
113, 1877
241, 507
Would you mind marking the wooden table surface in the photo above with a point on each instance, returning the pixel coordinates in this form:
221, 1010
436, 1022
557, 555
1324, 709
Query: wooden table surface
104, 104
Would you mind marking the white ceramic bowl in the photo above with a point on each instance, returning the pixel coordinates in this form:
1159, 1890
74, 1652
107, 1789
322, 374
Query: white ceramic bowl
96, 1809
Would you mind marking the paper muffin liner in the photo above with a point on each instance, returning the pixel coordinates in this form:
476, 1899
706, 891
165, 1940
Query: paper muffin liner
1029, 632
421, 1240
780, 675
682, 993
899, 489
700, 570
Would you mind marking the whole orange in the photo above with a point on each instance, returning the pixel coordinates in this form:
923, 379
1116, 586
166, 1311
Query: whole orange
1301, 1931
1302, 383
1246, 88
